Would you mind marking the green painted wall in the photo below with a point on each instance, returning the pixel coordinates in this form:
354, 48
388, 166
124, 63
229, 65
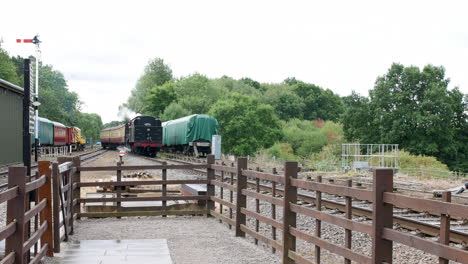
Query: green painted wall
11, 120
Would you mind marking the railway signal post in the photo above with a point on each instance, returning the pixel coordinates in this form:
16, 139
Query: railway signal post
35, 102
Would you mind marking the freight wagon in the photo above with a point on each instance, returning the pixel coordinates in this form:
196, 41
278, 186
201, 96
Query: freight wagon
190, 135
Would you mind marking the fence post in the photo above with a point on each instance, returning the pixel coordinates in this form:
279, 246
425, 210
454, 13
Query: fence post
349, 215
56, 206
241, 200
77, 193
382, 215
119, 188
289, 217
221, 193
15, 212
210, 188
318, 223
445, 226
257, 205
273, 210
231, 193
164, 188
45, 192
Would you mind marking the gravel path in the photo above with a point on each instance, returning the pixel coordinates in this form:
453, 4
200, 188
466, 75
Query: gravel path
190, 239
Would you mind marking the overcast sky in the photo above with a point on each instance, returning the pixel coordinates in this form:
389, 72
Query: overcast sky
103, 46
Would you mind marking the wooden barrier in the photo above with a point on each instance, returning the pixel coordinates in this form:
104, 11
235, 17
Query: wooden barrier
381, 230
18, 240
242, 183
118, 184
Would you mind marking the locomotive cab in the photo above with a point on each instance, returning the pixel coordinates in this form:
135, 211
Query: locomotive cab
145, 135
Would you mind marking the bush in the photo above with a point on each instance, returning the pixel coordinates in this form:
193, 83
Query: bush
326, 160
309, 137
282, 151
408, 160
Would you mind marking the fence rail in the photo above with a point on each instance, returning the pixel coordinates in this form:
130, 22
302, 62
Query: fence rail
381, 230
18, 241
59, 204
164, 198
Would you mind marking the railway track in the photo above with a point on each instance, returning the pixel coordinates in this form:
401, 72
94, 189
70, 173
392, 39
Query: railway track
416, 222
85, 157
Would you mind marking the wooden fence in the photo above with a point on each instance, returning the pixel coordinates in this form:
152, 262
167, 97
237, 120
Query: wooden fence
17, 232
164, 198
236, 186
380, 230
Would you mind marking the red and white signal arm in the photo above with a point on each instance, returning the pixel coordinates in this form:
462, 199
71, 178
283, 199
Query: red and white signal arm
34, 40
121, 153
24, 41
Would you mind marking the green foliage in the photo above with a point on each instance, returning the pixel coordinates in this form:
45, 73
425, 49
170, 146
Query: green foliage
90, 124
251, 83
156, 73
57, 102
174, 111
159, 98
319, 103
309, 137
304, 137
245, 124
287, 104
282, 151
113, 124
196, 93
244, 86
328, 159
8, 68
415, 109
408, 160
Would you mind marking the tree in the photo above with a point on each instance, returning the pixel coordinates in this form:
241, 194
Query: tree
291, 81
357, 119
156, 73
57, 102
237, 86
113, 124
245, 124
415, 109
90, 125
304, 137
287, 104
251, 83
8, 68
196, 93
159, 98
174, 111
319, 103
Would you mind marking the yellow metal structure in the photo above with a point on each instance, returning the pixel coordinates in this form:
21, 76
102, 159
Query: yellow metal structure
79, 141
